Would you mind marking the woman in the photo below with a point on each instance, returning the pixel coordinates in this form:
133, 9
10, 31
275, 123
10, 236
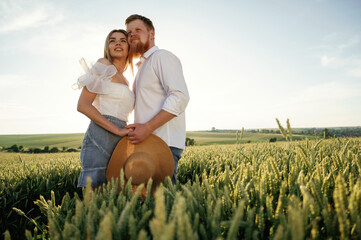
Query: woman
107, 100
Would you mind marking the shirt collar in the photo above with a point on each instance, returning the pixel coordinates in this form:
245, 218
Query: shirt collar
150, 52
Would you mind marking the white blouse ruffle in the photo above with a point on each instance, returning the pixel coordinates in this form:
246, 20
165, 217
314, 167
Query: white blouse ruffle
114, 99
97, 78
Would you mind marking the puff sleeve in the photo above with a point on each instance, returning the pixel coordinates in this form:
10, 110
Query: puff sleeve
97, 78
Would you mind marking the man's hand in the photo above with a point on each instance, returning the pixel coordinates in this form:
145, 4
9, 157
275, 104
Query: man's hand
138, 132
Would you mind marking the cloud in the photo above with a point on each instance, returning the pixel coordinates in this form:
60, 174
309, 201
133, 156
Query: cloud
350, 65
67, 40
343, 56
353, 41
355, 72
19, 15
328, 91
327, 61
76, 38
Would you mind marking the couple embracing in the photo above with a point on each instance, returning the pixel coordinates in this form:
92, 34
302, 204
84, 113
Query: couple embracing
159, 99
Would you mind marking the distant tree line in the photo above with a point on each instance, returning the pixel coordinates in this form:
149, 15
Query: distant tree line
46, 149
20, 149
330, 132
273, 139
190, 142
333, 132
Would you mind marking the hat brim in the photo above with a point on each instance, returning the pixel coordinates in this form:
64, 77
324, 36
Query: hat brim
152, 145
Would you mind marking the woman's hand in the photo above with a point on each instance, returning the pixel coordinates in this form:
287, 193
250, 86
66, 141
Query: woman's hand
122, 132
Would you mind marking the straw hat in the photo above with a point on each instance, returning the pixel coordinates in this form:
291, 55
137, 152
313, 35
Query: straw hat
151, 158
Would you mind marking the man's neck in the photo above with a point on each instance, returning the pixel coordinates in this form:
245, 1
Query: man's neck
150, 46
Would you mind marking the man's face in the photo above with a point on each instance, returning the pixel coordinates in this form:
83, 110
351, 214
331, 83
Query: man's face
139, 37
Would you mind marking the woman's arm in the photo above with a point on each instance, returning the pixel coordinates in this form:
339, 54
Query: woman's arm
85, 106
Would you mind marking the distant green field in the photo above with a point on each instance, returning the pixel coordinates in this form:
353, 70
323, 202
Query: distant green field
71, 140
74, 140
210, 138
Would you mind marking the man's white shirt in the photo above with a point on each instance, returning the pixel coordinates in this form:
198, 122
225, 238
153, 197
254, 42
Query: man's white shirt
159, 84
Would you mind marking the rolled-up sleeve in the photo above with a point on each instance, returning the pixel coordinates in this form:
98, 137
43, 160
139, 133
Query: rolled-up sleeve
171, 76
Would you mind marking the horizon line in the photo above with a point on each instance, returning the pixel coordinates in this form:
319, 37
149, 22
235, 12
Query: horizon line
216, 129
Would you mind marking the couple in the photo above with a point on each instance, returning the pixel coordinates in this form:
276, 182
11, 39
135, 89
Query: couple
159, 98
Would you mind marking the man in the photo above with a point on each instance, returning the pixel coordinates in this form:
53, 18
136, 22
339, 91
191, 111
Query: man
160, 90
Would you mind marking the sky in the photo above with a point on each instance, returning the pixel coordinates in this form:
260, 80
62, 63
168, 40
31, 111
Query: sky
245, 62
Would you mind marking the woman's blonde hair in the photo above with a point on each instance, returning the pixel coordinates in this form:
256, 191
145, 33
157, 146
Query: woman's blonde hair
107, 55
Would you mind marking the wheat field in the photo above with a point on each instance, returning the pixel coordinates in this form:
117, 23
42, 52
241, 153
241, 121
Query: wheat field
307, 189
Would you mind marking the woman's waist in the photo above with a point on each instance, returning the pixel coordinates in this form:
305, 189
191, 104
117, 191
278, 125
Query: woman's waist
114, 105
118, 113
115, 119
99, 134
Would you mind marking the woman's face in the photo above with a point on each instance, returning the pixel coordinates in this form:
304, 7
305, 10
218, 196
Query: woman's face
118, 45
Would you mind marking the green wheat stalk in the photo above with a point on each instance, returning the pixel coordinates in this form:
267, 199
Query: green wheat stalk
282, 129
289, 130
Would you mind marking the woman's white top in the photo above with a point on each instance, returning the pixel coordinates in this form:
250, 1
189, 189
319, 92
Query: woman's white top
114, 99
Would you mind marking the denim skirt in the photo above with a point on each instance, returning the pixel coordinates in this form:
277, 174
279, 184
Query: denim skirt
97, 148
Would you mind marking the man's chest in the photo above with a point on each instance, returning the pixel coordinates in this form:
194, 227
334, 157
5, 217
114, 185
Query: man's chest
148, 77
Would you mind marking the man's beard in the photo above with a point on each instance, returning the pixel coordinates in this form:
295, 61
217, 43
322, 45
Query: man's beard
138, 49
